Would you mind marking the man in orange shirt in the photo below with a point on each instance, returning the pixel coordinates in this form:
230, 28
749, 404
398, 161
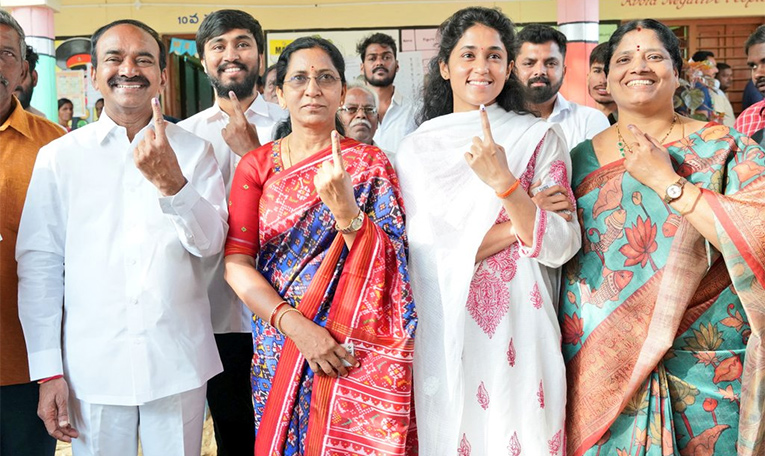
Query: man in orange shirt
21, 136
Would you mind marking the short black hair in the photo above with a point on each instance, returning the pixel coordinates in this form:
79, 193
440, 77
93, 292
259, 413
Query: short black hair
64, 101
222, 21
541, 34
722, 66
665, 34
599, 54
758, 37
700, 56
32, 58
268, 70
376, 38
97, 36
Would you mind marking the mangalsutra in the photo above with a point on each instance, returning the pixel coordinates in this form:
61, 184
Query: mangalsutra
623, 144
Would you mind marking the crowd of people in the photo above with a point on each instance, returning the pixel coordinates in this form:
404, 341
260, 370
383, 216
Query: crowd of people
335, 269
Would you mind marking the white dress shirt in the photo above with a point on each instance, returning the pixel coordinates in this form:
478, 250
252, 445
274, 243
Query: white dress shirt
398, 122
111, 292
229, 314
577, 122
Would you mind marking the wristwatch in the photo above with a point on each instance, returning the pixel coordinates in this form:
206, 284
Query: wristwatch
674, 191
354, 226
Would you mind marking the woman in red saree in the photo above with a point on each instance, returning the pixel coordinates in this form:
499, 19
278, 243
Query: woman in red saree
317, 250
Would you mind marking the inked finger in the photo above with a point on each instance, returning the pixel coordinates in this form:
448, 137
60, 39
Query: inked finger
159, 121
337, 155
235, 103
640, 137
486, 126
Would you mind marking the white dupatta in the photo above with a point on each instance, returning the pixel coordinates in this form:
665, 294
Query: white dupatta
448, 212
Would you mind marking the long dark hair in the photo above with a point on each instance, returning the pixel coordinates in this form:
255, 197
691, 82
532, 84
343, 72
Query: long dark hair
438, 99
284, 127
664, 33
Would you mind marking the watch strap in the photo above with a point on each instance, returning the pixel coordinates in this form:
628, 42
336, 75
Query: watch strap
354, 226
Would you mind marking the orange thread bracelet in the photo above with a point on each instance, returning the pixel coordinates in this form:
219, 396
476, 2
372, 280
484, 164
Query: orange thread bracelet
45, 380
510, 190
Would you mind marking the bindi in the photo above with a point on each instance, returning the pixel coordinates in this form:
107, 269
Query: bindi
640, 29
638, 47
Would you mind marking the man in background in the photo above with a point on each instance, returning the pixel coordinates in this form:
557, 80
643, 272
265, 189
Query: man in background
540, 68
269, 90
394, 112
597, 85
752, 119
21, 136
359, 114
26, 88
720, 103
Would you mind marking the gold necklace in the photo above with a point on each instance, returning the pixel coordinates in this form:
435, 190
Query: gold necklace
623, 144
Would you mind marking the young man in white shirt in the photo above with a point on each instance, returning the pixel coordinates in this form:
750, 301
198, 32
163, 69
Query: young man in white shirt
111, 295
396, 114
540, 68
231, 45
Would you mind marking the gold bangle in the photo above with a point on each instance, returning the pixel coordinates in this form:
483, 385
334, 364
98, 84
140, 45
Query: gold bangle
281, 315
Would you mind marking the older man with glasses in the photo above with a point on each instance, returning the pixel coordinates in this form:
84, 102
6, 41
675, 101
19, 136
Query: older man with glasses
359, 115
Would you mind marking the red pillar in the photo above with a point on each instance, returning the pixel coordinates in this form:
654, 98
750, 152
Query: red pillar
578, 20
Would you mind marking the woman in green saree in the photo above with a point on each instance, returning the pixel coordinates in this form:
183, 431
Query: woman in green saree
663, 309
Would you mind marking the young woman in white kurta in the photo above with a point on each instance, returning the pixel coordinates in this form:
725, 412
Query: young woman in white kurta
489, 375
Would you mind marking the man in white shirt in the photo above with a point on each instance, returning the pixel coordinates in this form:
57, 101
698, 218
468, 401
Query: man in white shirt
111, 293
540, 68
231, 45
396, 115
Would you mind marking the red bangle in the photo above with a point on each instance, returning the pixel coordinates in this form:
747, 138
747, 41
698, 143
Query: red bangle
45, 380
510, 190
273, 312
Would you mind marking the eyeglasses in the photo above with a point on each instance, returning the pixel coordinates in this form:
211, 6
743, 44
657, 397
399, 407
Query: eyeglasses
353, 109
300, 81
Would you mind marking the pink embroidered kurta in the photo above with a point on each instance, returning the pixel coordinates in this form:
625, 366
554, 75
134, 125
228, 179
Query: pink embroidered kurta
489, 374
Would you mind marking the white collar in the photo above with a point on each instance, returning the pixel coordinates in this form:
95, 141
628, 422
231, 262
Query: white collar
258, 106
561, 105
105, 126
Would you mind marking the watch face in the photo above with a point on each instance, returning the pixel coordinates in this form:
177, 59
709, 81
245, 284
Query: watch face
674, 191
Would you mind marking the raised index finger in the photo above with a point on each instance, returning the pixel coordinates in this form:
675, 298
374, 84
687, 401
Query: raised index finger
486, 125
337, 155
159, 121
640, 137
235, 103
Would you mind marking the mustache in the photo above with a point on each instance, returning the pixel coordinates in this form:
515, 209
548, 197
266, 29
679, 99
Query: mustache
117, 80
362, 121
4, 81
222, 67
379, 67
538, 79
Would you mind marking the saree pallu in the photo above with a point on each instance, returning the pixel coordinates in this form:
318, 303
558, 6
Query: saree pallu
662, 334
361, 296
